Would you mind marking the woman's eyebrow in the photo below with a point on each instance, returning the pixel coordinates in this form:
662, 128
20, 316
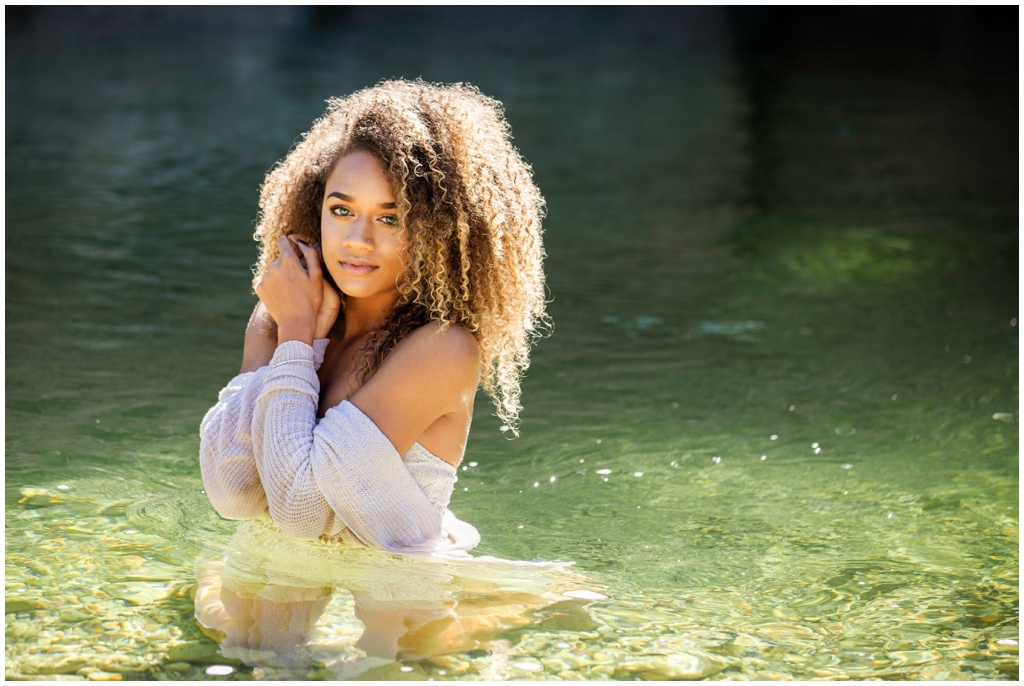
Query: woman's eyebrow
349, 198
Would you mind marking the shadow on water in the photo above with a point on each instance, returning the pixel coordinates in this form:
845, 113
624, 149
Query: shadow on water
776, 423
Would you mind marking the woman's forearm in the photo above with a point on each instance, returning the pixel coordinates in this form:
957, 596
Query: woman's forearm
226, 457
260, 340
282, 428
229, 472
342, 473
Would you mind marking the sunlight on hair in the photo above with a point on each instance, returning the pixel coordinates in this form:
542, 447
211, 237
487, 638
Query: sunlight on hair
467, 205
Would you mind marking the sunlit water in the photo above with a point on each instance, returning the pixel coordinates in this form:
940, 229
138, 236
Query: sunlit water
776, 423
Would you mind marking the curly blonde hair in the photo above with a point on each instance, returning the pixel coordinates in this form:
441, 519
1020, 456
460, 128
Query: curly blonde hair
467, 206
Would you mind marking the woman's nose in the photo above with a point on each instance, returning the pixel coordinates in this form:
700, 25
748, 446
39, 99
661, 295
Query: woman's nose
360, 235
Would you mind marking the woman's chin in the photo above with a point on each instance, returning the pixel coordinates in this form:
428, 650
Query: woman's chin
360, 291
352, 288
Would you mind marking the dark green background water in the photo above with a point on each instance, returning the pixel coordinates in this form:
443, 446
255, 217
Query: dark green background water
813, 239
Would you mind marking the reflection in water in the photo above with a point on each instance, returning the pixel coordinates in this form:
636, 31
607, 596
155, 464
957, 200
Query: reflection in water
262, 601
824, 258
258, 623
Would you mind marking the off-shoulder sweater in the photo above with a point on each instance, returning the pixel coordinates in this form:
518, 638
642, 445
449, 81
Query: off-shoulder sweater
262, 450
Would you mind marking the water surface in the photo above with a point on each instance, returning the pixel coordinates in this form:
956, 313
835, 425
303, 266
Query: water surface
776, 423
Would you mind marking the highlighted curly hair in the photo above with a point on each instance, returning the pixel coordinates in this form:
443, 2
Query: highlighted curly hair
467, 206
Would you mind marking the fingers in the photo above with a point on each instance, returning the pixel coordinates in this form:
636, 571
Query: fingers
331, 296
330, 306
312, 257
294, 245
296, 239
290, 249
299, 238
287, 247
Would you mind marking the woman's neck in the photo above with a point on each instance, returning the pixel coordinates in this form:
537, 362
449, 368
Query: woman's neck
364, 314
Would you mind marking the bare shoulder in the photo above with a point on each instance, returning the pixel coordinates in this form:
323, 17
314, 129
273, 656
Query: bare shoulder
431, 373
452, 349
453, 340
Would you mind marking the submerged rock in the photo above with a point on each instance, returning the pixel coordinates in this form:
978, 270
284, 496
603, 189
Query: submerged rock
177, 667
15, 676
1004, 645
907, 658
137, 593
15, 605
54, 664
668, 667
71, 615
198, 653
560, 663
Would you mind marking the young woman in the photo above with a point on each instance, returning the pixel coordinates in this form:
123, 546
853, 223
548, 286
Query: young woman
400, 269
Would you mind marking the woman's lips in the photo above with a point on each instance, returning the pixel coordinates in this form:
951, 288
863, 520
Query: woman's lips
357, 269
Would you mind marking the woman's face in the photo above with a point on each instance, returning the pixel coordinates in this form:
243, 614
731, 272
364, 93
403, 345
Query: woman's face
359, 229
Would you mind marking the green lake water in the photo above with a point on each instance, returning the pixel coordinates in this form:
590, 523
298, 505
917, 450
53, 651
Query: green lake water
776, 423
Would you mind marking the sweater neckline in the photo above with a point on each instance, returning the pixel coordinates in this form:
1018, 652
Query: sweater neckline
418, 447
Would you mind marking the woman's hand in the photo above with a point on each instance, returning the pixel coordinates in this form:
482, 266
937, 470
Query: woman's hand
293, 294
330, 306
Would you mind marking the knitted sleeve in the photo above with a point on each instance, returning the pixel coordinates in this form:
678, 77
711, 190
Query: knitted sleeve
226, 459
342, 472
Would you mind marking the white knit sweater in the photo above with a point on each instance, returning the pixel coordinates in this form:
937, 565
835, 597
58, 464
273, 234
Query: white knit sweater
262, 450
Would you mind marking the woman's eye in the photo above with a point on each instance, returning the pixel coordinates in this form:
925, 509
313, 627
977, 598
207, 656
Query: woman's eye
340, 211
390, 220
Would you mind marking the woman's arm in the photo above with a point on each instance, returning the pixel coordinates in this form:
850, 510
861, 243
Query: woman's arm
350, 468
229, 472
225, 447
260, 339
347, 471
261, 335
226, 458
225, 450
429, 375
